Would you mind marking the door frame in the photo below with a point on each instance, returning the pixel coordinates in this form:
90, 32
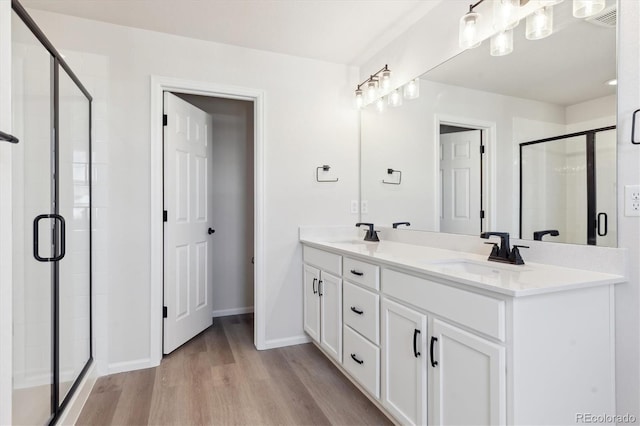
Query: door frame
159, 85
488, 171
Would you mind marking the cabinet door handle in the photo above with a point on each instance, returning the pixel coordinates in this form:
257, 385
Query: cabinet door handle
320, 293
415, 343
358, 273
356, 310
355, 358
433, 341
313, 285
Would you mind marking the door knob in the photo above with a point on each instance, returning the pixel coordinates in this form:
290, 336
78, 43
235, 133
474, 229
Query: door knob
211, 231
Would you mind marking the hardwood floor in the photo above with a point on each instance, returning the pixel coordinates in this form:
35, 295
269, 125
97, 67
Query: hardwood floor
219, 378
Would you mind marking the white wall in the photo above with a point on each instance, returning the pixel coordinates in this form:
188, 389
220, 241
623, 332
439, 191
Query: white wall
411, 55
309, 121
231, 187
6, 260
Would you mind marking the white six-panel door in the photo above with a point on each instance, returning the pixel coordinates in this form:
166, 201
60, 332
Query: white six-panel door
187, 243
460, 182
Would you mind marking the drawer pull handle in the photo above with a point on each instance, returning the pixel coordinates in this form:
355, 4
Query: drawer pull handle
358, 273
355, 358
433, 341
356, 310
415, 343
313, 285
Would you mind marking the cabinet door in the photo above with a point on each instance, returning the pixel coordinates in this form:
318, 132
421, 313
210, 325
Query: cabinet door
311, 302
469, 378
404, 363
330, 292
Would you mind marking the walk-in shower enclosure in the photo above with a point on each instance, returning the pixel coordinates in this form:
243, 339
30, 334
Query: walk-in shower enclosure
52, 226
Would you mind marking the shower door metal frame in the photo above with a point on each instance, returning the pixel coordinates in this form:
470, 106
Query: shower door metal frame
57, 407
591, 176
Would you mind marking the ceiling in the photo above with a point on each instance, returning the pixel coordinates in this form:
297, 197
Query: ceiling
570, 66
341, 31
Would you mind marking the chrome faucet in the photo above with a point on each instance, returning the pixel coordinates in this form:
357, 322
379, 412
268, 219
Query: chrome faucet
371, 235
503, 252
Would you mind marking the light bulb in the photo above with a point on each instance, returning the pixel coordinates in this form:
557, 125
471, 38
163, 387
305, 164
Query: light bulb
380, 105
504, 14
540, 23
586, 8
359, 98
502, 43
385, 81
372, 91
411, 90
468, 34
395, 98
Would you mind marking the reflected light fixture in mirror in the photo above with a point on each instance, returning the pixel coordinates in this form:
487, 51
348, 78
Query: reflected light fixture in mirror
359, 98
540, 23
380, 105
412, 89
395, 98
586, 8
380, 80
502, 43
372, 90
504, 14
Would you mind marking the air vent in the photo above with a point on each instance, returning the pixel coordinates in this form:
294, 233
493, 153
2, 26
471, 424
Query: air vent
606, 18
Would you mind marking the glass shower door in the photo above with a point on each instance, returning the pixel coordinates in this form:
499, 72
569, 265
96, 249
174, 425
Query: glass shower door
32, 104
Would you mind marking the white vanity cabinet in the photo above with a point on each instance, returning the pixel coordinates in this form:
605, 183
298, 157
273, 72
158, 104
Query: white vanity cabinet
323, 299
437, 349
361, 313
404, 366
467, 379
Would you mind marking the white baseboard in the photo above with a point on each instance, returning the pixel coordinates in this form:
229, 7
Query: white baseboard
79, 398
287, 341
136, 364
234, 311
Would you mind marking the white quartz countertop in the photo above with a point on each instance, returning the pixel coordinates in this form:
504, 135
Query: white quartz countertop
467, 268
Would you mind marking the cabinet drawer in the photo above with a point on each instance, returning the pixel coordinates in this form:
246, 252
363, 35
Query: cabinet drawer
362, 273
324, 260
481, 313
362, 360
361, 311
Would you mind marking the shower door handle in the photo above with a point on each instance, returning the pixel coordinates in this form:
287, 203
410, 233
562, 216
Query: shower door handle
605, 221
36, 235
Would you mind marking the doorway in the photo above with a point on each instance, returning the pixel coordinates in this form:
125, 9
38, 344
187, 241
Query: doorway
160, 85
462, 178
209, 221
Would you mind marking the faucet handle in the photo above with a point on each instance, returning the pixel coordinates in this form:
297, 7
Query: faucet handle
515, 256
495, 250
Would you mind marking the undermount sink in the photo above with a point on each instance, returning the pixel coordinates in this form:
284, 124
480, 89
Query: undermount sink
476, 268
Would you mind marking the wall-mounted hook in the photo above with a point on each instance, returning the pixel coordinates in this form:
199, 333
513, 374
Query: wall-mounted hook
390, 172
324, 168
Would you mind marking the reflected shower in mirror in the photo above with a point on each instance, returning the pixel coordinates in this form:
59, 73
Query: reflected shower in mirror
458, 144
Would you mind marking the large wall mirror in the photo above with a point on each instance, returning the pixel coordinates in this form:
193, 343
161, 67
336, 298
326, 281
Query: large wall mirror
523, 143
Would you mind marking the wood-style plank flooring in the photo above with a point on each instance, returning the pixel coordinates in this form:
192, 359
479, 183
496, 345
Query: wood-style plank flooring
219, 378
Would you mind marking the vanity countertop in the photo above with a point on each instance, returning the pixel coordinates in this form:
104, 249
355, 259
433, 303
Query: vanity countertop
469, 269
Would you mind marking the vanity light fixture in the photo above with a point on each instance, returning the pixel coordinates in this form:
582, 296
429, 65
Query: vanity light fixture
586, 8
502, 43
540, 23
411, 90
367, 91
468, 29
504, 14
